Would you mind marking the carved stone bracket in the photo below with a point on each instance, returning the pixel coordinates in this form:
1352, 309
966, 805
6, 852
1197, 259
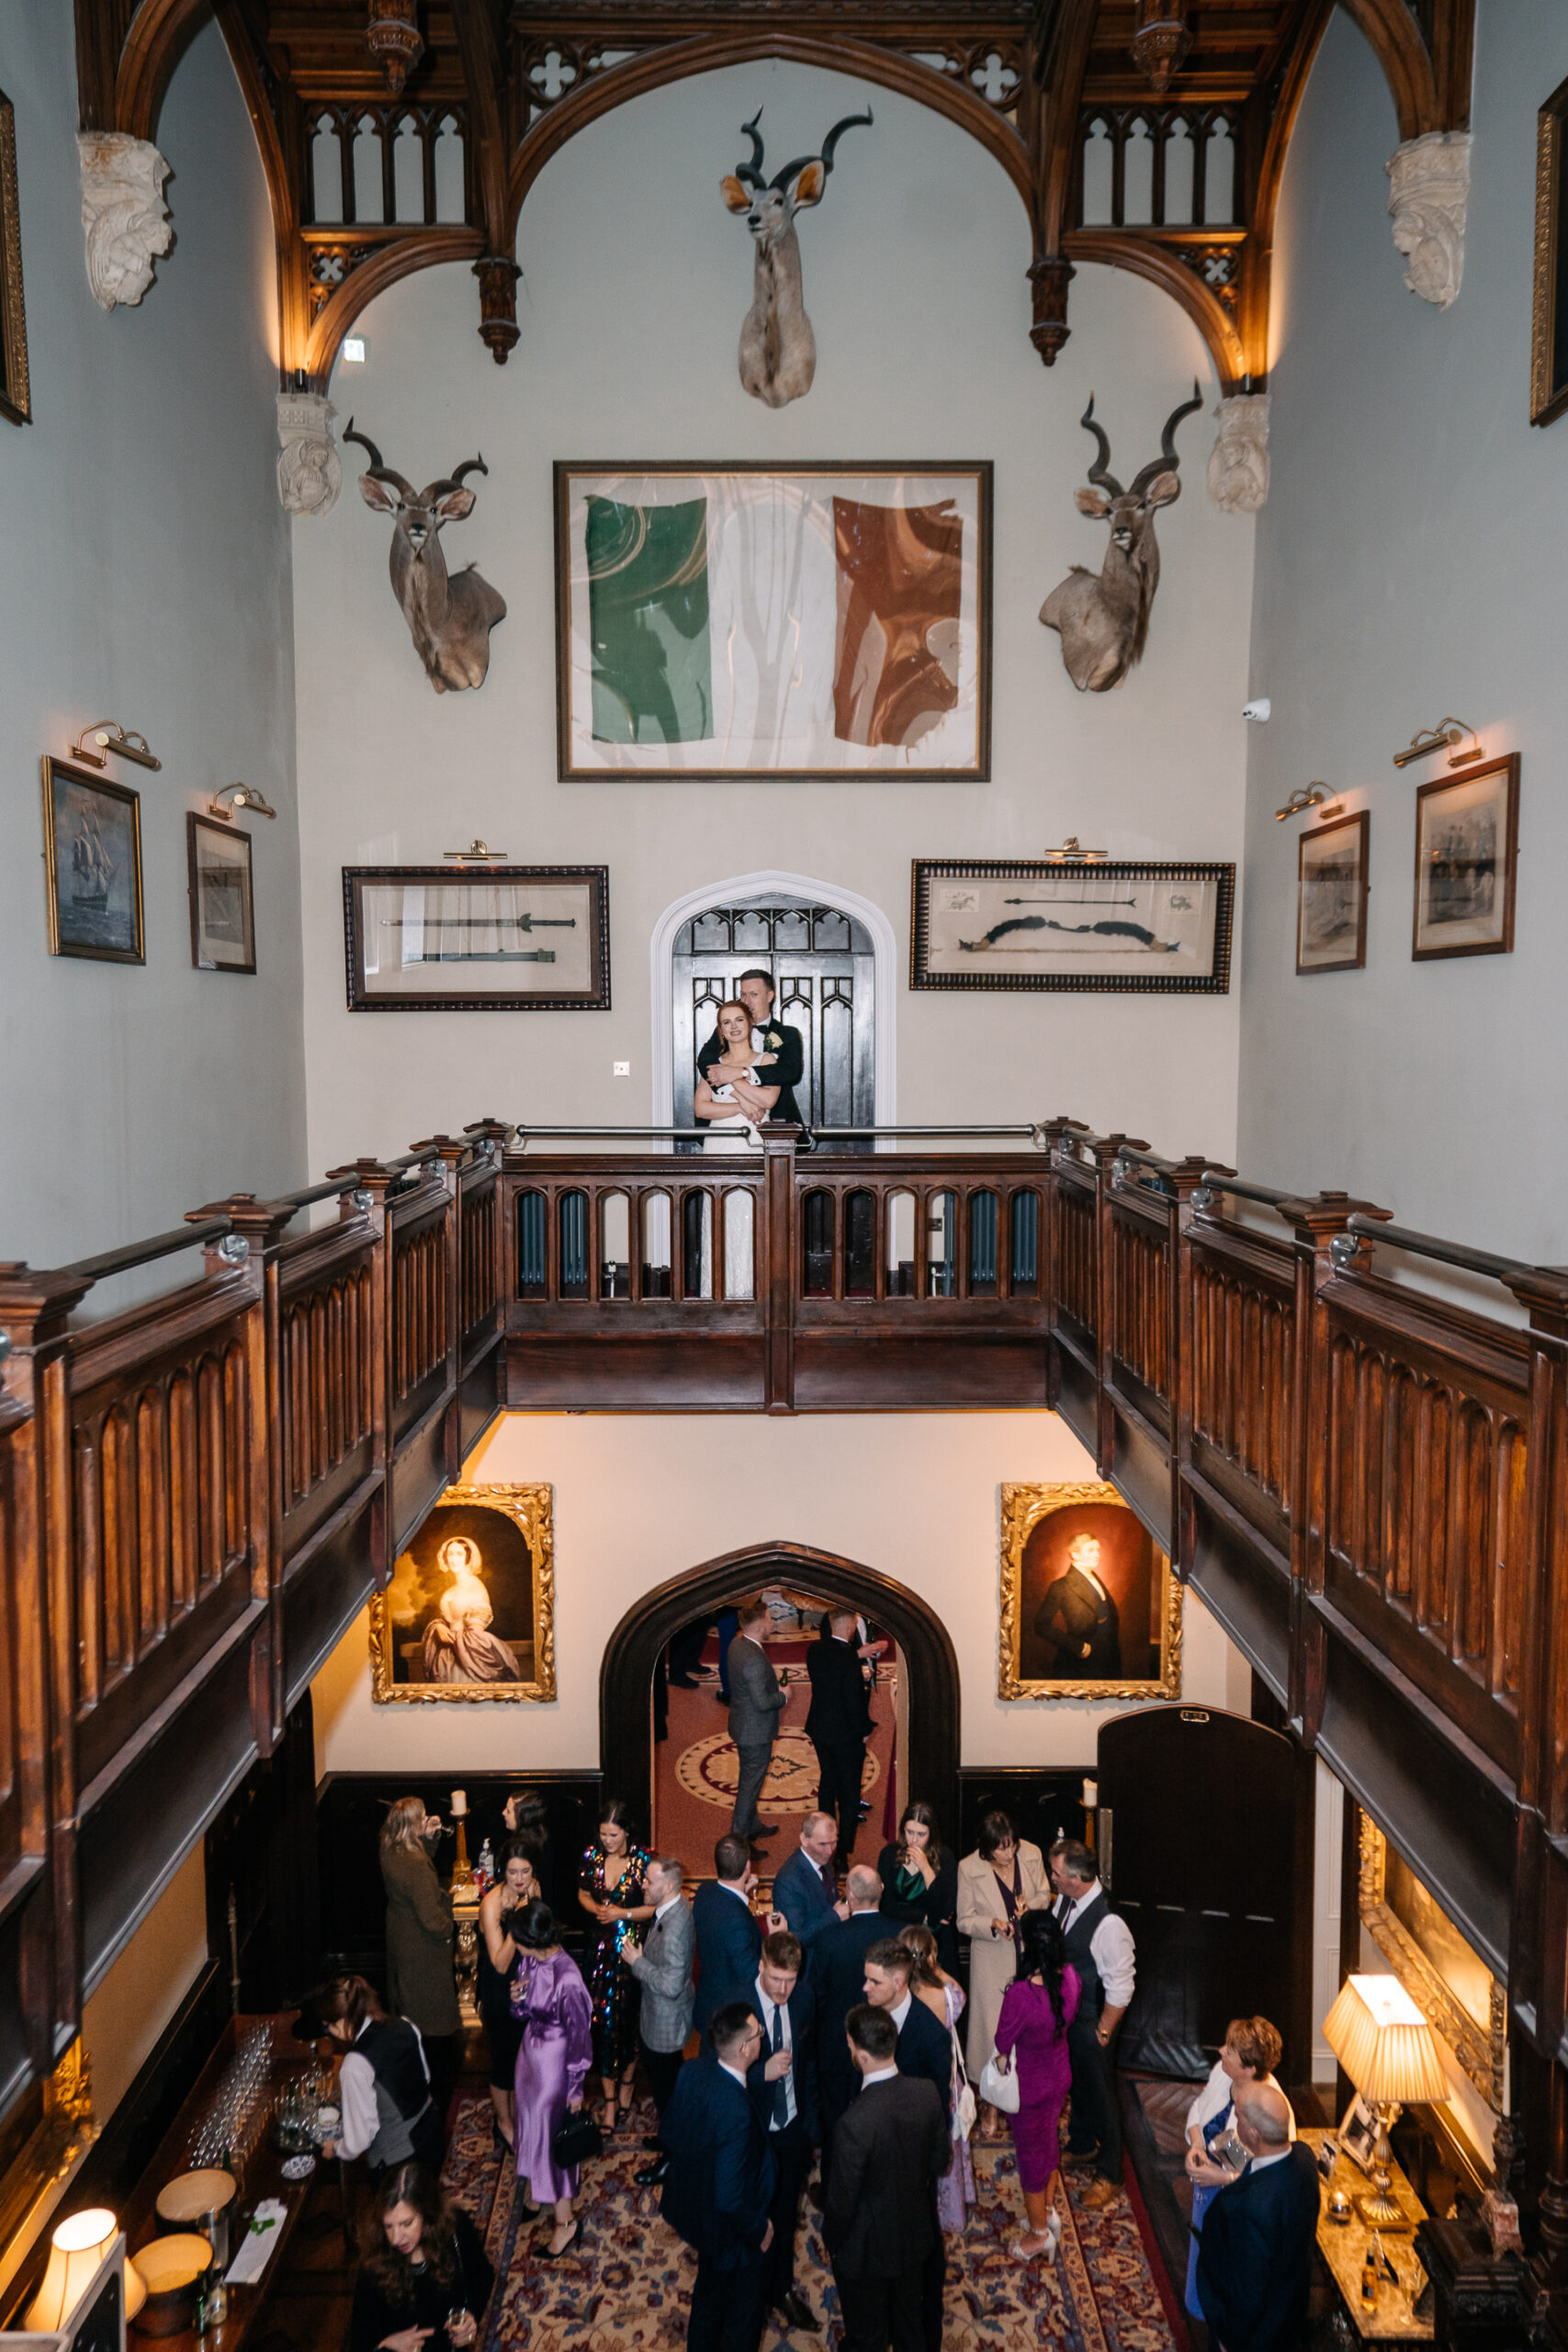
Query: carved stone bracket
1239, 463
1428, 189
1050, 280
498, 275
310, 472
123, 212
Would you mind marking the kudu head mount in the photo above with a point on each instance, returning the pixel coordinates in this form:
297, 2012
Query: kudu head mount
778, 350
449, 618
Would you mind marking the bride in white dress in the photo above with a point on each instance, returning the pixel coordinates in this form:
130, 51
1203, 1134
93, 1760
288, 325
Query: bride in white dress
731, 1129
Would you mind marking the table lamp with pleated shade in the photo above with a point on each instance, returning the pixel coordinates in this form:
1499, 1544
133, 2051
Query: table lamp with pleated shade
76, 2254
1390, 2053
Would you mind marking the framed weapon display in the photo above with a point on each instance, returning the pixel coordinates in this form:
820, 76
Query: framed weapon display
1070, 923
495, 939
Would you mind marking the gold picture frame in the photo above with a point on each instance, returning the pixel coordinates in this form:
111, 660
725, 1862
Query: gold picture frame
15, 391
1480, 2050
92, 854
431, 1632
1040, 1525
1549, 319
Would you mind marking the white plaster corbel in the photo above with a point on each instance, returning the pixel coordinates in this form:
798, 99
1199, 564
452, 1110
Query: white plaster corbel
123, 213
1428, 189
1239, 463
310, 472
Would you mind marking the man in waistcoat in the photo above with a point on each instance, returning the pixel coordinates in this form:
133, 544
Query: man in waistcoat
1099, 1946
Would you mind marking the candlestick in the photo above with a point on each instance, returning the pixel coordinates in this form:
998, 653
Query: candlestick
1091, 1794
459, 1804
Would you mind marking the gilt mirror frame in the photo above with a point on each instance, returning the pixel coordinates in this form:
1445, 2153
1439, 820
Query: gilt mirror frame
1479, 2050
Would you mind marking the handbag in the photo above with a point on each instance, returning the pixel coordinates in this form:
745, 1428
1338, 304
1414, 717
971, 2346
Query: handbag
576, 2140
965, 2108
998, 2084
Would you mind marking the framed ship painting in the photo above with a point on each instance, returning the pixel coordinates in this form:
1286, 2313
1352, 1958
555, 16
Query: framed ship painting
470, 1612
828, 620
92, 849
222, 910
1099, 923
1090, 1609
495, 939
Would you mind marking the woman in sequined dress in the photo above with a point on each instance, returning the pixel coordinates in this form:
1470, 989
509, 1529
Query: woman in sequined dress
609, 1888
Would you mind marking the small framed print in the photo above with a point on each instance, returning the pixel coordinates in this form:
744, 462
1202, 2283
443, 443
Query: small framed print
92, 848
493, 939
16, 398
1549, 340
1467, 830
223, 911
1331, 896
1359, 2134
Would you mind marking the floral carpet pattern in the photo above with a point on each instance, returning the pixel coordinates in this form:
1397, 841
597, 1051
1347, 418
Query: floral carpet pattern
629, 2282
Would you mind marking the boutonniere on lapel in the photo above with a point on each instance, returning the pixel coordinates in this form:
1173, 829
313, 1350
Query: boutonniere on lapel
774, 1040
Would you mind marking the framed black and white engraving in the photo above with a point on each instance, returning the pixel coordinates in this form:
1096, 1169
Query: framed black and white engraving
1467, 846
496, 939
92, 849
1050, 924
1331, 895
16, 395
1548, 337
222, 909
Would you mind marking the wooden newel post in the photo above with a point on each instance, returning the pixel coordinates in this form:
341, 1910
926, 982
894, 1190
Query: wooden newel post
451, 1150
365, 1184
776, 1260
1105, 1151
1188, 1195
1326, 1253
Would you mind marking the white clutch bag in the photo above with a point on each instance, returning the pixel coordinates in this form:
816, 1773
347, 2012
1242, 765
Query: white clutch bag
998, 2084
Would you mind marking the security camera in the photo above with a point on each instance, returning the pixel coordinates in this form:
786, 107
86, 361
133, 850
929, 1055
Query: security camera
1262, 709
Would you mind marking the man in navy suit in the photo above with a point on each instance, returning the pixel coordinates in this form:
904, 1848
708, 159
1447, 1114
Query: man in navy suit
838, 1980
783, 2086
925, 2050
729, 1938
806, 1890
719, 2186
1256, 2246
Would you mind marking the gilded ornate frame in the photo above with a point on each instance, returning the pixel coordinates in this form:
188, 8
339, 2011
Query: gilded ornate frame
1479, 2050
1022, 1509
1549, 392
531, 1508
16, 392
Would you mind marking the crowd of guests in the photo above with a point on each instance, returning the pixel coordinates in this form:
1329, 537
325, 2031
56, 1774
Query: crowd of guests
830, 2029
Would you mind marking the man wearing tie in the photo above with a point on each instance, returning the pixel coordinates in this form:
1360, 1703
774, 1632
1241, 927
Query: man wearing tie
728, 1937
879, 2223
756, 1701
662, 1966
1099, 1946
923, 2051
839, 1723
719, 2186
838, 1981
805, 1889
783, 2085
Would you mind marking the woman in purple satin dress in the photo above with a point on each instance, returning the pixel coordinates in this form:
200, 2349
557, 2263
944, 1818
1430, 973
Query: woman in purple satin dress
1037, 2008
550, 1998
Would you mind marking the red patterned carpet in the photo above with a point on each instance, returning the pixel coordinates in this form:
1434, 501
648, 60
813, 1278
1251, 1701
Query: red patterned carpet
629, 2282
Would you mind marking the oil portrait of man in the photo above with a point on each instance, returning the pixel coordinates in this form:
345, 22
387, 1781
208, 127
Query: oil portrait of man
1088, 1601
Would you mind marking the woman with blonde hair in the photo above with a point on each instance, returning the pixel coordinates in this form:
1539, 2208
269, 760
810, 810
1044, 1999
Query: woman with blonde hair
1249, 2053
421, 1981
943, 1995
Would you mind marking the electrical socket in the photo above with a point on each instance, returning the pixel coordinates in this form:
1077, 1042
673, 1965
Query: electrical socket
620, 1069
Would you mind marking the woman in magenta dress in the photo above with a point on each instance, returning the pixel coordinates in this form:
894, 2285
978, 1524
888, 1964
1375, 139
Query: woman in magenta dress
1037, 2008
551, 2000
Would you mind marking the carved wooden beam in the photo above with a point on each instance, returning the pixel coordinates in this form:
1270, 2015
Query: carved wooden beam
1062, 64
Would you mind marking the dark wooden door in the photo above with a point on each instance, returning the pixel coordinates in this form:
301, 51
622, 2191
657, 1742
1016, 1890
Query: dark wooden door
824, 971
1205, 1837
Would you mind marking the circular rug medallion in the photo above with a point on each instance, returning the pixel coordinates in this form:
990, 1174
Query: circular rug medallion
710, 1769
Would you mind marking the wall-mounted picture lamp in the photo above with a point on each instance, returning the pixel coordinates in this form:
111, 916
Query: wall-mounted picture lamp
1447, 734
477, 853
1305, 796
108, 735
1071, 854
239, 796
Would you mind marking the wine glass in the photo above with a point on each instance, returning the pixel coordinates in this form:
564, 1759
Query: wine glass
454, 2318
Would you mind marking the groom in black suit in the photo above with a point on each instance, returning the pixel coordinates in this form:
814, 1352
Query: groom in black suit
838, 1724
779, 1050
1078, 1619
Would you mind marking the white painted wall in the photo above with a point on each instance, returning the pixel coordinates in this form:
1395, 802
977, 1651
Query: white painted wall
636, 281
913, 1494
146, 578
1409, 567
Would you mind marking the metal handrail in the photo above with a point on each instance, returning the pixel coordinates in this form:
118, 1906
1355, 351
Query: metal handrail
141, 1253
635, 1135
1218, 1181
1452, 1253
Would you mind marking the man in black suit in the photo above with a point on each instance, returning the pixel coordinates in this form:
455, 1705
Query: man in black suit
779, 1053
719, 2186
728, 1937
924, 2050
783, 2085
838, 1980
880, 2223
1079, 1621
838, 1723
1256, 2248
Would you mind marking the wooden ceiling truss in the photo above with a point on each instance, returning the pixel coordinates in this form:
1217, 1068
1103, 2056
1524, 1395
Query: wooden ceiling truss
1148, 134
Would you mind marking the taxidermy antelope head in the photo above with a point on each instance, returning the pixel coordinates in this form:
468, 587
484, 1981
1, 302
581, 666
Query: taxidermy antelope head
1104, 618
778, 350
449, 619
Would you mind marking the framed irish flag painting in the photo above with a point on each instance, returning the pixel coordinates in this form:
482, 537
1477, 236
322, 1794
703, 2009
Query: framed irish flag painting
814, 620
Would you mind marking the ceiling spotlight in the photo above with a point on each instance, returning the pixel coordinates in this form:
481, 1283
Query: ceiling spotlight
1306, 795
1070, 853
239, 796
1448, 733
477, 853
111, 736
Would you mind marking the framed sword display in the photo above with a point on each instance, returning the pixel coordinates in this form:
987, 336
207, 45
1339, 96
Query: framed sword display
496, 939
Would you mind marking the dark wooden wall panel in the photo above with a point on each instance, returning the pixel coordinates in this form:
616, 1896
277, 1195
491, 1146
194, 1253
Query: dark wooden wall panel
323, 1601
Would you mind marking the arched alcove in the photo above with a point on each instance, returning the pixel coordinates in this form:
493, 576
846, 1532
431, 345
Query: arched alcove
626, 1678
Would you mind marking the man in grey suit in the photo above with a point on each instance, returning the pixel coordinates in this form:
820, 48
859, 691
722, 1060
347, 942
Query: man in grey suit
662, 1966
756, 1699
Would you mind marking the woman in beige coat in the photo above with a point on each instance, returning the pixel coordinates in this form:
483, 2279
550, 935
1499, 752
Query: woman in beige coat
1005, 1877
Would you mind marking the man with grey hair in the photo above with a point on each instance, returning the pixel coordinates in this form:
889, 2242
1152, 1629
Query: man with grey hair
838, 1978
1255, 2250
662, 1966
805, 1889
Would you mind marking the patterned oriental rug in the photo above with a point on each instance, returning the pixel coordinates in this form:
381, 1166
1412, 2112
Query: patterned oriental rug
629, 2282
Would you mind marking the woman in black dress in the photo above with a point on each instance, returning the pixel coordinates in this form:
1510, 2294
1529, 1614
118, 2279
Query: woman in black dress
609, 1888
515, 1888
919, 1882
425, 2277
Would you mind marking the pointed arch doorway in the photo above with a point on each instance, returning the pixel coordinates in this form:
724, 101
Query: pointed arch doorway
932, 1699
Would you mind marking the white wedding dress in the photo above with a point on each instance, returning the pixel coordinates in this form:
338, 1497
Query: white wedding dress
730, 1134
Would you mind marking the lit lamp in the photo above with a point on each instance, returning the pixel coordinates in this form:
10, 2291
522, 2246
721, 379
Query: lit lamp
1386, 2047
76, 2254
